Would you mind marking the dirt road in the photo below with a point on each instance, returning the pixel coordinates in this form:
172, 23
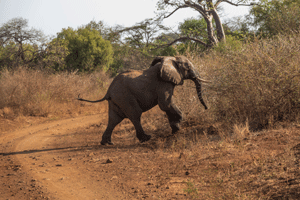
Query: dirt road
63, 159
33, 166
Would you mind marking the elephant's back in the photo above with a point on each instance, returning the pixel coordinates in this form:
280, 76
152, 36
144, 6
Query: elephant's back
136, 85
122, 83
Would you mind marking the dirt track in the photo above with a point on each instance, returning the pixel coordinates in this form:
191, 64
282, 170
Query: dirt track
63, 159
33, 166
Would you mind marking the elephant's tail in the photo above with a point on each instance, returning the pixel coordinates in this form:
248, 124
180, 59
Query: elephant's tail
104, 98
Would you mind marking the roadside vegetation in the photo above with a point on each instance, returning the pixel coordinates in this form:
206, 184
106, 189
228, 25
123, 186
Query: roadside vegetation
245, 146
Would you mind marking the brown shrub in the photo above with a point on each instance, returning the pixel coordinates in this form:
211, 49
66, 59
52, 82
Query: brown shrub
259, 82
37, 93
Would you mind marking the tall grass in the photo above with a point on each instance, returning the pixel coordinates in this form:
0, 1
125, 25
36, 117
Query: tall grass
38, 93
258, 83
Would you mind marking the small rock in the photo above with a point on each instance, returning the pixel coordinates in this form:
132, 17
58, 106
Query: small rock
91, 154
109, 161
181, 155
114, 177
187, 173
212, 131
58, 165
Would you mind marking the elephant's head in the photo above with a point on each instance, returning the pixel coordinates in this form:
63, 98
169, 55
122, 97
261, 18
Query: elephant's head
177, 69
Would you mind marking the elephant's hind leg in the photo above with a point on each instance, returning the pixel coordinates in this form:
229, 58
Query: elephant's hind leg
140, 133
134, 113
113, 120
129, 107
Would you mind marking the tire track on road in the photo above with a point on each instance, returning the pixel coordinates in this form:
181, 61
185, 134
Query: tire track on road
51, 169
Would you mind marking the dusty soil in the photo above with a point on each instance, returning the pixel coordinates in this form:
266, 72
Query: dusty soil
63, 159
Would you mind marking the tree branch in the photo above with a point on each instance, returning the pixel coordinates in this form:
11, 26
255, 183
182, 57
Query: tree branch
179, 7
236, 4
181, 39
199, 8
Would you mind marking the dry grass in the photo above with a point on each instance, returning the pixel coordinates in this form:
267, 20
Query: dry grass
26, 92
216, 155
258, 83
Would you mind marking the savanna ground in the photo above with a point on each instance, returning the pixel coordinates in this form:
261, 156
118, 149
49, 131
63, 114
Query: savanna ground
62, 159
246, 146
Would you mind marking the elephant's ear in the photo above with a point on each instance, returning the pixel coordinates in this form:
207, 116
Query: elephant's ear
169, 71
157, 60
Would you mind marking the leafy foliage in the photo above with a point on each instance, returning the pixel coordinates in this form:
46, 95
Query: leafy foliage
87, 49
19, 44
55, 55
193, 27
273, 17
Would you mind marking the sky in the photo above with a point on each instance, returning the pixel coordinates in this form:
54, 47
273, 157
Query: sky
51, 16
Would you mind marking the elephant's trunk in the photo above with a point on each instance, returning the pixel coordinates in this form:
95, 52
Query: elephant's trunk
199, 92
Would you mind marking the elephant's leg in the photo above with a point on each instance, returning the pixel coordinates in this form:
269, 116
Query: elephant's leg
133, 111
175, 117
113, 120
166, 104
140, 133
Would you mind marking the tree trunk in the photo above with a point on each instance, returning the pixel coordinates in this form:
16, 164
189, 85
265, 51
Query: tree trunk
210, 31
219, 27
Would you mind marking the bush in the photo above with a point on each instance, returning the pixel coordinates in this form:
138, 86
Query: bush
87, 50
259, 83
37, 93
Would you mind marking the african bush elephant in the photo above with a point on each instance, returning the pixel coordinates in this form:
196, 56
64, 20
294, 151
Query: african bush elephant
133, 92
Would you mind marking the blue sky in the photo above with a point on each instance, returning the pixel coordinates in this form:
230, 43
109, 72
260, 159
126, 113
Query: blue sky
51, 16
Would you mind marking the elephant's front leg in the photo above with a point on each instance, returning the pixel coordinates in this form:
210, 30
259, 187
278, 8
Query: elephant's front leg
166, 104
175, 117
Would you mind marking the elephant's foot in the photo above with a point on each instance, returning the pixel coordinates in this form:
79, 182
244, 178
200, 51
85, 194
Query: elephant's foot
106, 142
144, 138
175, 127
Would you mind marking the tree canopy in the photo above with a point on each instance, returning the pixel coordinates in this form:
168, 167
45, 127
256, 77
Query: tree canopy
276, 16
18, 42
97, 46
87, 49
208, 10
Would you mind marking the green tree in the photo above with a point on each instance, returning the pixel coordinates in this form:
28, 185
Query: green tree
209, 12
88, 51
19, 44
192, 28
161, 43
55, 54
272, 17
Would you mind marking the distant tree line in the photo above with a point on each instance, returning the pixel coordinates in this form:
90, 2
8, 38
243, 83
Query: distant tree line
96, 46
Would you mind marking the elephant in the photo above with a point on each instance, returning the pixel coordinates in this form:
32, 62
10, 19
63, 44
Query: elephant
133, 92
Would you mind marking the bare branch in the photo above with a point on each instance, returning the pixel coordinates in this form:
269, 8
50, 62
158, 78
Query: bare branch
129, 28
181, 39
236, 4
200, 8
179, 7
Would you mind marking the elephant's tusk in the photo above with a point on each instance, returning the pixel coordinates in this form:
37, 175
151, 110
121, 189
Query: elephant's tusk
202, 80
